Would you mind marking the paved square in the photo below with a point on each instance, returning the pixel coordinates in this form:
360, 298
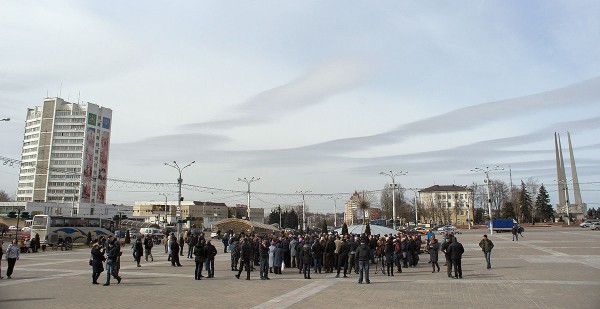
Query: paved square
548, 268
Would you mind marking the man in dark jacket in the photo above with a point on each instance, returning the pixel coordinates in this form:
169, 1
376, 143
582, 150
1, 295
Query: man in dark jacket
486, 246
191, 241
317, 253
138, 250
263, 252
306, 259
148, 244
456, 251
352, 261
287, 257
445, 246
363, 253
211, 252
246, 253
235, 254
329, 251
175, 252
343, 258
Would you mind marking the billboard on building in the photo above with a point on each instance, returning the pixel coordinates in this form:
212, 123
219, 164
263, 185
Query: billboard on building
103, 164
88, 164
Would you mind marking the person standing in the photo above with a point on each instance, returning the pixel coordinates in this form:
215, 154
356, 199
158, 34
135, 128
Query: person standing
293, 251
211, 252
246, 255
486, 246
317, 253
1, 253
433, 246
352, 261
111, 257
199, 257
445, 246
389, 255
287, 258
363, 253
515, 230
343, 253
12, 255
456, 251
225, 241
181, 242
263, 253
191, 242
278, 258
306, 259
97, 259
174, 252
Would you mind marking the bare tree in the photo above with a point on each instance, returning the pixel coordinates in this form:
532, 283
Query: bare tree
4, 197
387, 202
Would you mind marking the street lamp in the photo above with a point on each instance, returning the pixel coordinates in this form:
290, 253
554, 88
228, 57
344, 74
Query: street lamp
5, 119
179, 181
166, 206
248, 182
393, 185
487, 171
303, 207
335, 198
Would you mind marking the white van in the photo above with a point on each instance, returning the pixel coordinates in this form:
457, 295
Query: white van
149, 231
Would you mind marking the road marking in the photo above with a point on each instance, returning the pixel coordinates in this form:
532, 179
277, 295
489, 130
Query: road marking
294, 296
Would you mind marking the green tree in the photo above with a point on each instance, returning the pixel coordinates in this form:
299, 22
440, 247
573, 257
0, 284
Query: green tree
344, 229
543, 208
363, 202
478, 216
508, 210
324, 227
525, 205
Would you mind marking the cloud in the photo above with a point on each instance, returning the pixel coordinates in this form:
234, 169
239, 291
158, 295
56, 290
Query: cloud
314, 87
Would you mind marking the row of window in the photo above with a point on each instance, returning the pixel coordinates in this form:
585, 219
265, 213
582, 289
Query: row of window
25, 184
27, 170
449, 196
24, 191
75, 134
31, 136
26, 164
66, 162
55, 176
67, 148
29, 143
71, 120
30, 177
69, 113
60, 198
31, 156
69, 127
68, 155
55, 191
69, 141
34, 122
26, 150
63, 184
32, 129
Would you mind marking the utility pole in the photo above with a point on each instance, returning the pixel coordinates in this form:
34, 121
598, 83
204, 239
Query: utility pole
279, 208
179, 181
166, 207
248, 182
487, 171
393, 185
303, 209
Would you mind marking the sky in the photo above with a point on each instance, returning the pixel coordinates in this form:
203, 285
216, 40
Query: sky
317, 96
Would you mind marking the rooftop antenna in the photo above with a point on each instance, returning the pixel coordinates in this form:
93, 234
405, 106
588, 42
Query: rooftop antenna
78, 97
47, 93
60, 90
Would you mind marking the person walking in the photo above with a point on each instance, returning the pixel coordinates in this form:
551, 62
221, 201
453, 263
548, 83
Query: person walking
515, 230
433, 247
148, 244
211, 252
263, 253
112, 253
97, 260
363, 253
138, 250
486, 246
1, 253
12, 255
225, 241
456, 251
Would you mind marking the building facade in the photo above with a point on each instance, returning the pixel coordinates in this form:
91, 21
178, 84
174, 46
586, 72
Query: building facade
65, 156
450, 204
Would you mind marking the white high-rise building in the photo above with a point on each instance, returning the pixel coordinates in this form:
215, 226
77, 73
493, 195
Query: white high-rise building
65, 156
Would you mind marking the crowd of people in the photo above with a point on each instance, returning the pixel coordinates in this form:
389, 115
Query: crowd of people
306, 254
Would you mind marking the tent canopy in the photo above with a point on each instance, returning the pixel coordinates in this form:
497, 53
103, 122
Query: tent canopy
248, 227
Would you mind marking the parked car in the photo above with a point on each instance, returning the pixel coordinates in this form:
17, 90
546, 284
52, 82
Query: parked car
120, 233
595, 226
213, 234
12, 228
585, 224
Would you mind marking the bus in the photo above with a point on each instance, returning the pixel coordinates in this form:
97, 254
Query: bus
71, 229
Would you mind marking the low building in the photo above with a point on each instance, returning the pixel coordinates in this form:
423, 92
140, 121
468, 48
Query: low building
447, 204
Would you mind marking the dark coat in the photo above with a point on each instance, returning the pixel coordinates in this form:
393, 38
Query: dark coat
317, 249
434, 247
306, 256
247, 250
344, 250
211, 251
363, 252
456, 250
278, 256
199, 253
97, 259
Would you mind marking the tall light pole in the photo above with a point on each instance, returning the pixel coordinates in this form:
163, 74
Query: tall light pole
303, 207
393, 185
248, 182
487, 171
166, 207
5, 119
179, 181
566, 188
335, 198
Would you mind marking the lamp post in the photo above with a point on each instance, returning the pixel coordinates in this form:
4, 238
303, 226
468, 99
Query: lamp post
179, 181
303, 209
5, 119
248, 182
335, 198
487, 171
166, 207
393, 185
